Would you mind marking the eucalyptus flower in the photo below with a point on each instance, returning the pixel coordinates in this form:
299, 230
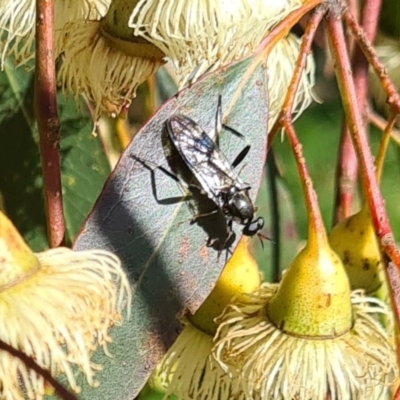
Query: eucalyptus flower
188, 370
207, 34
18, 21
57, 307
273, 364
308, 337
203, 36
104, 60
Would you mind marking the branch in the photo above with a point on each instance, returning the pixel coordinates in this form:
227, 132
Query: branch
317, 231
357, 130
305, 49
393, 98
48, 122
347, 169
381, 123
31, 364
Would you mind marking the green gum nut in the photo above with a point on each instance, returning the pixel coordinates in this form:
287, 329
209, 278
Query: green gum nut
313, 299
355, 242
115, 29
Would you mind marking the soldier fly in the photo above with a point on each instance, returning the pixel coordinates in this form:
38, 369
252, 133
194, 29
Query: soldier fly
216, 177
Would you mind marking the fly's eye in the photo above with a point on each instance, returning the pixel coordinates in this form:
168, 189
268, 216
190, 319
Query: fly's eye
260, 222
253, 227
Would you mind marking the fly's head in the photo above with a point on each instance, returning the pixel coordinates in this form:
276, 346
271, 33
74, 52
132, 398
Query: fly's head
240, 208
254, 227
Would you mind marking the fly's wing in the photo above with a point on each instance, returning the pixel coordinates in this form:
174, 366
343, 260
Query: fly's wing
202, 156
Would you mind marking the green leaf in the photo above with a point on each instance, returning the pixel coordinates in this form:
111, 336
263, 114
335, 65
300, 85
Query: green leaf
389, 18
170, 266
166, 87
83, 163
20, 171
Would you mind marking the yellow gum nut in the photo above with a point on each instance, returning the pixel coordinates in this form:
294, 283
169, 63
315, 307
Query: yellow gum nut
16, 258
115, 29
355, 241
313, 299
240, 275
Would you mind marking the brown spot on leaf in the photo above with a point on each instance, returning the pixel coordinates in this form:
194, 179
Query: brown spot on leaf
204, 253
183, 250
156, 343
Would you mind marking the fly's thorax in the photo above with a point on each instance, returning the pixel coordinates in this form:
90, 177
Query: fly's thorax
239, 205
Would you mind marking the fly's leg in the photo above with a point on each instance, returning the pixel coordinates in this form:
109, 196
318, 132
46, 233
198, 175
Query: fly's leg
214, 134
242, 155
230, 238
172, 200
196, 217
218, 120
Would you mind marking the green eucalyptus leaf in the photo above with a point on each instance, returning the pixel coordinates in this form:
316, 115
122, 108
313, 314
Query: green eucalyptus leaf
145, 220
84, 166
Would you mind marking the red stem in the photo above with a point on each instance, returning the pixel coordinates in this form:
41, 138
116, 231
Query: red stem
48, 122
316, 227
346, 176
305, 49
357, 130
285, 25
280, 31
347, 170
354, 9
354, 120
393, 98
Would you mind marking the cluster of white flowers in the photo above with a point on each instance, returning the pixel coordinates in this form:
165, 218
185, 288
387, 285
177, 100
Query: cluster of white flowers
107, 48
57, 307
251, 358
